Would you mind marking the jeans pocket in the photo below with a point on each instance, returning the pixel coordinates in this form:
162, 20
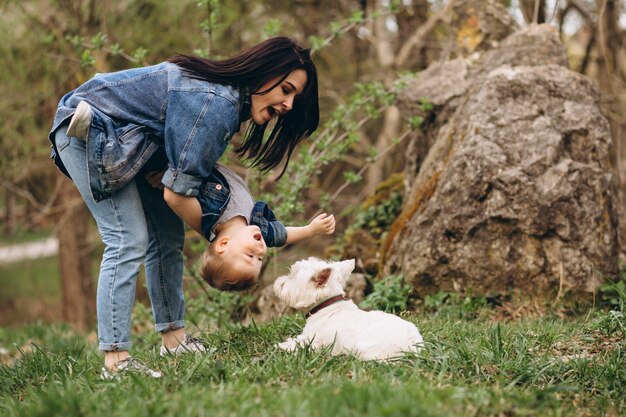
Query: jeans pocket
61, 141
129, 133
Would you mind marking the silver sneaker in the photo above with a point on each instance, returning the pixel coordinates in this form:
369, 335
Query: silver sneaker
81, 121
132, 365
188, 345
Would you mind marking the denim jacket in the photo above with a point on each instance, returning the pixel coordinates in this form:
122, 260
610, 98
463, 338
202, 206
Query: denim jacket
137, 110
213, 198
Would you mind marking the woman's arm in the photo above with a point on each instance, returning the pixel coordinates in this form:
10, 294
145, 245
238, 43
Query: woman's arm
187, 208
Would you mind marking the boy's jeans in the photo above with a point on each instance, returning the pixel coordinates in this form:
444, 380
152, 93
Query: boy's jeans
135, 224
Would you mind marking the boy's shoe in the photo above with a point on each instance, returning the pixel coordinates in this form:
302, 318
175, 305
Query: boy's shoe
129, 364
189, 344
81, 121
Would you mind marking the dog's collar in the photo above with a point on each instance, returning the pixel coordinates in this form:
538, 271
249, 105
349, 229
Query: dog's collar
324, 304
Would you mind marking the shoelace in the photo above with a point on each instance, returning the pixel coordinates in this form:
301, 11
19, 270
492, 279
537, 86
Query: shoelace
189, 339
130, 364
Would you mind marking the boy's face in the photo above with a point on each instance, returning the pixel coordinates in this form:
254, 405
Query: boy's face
243, 247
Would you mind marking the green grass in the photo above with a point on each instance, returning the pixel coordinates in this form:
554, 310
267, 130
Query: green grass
30, 279
23, 236
30, 290
472, 366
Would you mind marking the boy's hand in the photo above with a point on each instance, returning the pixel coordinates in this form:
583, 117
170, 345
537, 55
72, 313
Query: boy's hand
324, 224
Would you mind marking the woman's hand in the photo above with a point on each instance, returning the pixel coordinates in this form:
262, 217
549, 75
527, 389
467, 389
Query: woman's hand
154, 178
324, 224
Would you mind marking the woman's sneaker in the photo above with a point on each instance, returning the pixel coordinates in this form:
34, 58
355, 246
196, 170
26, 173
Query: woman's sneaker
189, 344
131, 365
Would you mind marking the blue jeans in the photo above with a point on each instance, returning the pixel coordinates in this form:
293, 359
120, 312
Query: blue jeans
135, 224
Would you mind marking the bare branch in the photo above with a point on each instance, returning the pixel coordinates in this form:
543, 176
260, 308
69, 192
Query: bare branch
418, 37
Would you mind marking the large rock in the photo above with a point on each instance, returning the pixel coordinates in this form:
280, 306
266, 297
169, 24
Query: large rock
510, 183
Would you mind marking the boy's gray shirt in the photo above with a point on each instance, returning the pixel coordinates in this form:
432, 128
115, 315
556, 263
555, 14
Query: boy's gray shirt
240, 203
227, 196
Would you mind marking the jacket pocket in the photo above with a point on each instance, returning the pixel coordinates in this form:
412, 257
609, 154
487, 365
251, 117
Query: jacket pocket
124, 150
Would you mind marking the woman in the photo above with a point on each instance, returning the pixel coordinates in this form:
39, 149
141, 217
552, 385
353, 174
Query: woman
181, 113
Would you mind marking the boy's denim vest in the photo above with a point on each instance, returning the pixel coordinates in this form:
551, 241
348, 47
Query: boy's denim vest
135, 111
213, 198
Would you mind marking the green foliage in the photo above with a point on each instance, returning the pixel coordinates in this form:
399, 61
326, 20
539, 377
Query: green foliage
614, 323
338, 136
374, 217
425, 104
453, 304
415, 122
613, 294
394, 6
377, 219
213, 19
272, 28
336, 29
352, 177
214, 308
86, 59
98, 41
390, 294
357, 17
317, 42
116, 49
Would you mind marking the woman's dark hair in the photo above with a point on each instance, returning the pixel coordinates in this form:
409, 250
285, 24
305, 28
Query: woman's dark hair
250, 70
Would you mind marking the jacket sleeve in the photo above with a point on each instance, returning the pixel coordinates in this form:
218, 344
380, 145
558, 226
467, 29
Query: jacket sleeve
198, 127
273, 231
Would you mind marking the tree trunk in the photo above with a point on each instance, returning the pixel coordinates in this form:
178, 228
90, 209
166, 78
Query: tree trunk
389, 130
383, 41
78, 299
10, 213
609, 58
534, 11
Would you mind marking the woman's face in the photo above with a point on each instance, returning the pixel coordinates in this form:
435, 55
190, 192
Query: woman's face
279, 100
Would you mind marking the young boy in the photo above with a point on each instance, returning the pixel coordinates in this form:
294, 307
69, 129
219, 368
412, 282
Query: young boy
239, 231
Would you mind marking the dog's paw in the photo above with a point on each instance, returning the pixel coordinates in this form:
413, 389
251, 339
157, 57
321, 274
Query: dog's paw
289, 345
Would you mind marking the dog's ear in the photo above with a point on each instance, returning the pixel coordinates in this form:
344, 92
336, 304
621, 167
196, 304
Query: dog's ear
321, 278
347, 266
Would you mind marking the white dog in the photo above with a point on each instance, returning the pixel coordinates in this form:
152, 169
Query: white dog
335, 321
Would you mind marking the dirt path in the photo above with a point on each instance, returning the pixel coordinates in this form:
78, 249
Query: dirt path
32, 250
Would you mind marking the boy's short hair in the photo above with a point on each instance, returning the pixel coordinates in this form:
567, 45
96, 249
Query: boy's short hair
218, 273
